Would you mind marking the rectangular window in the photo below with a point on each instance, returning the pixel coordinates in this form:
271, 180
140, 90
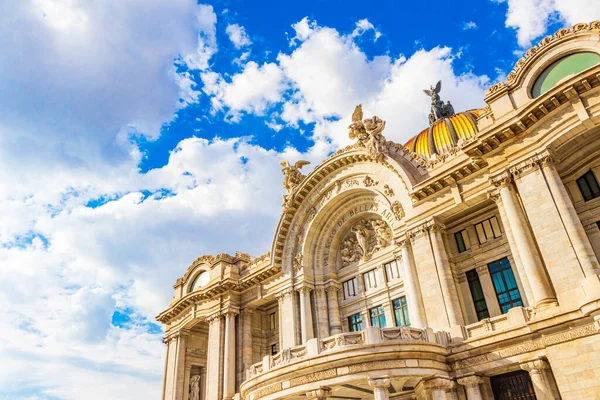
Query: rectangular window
462, 241
355, 323
274, 349
370, 280
488, 229
477, 295
377, 316
505, 285
350, 288
272, 319
588, 185
401, 311
392, 271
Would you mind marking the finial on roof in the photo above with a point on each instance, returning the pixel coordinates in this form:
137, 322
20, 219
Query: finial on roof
439, 109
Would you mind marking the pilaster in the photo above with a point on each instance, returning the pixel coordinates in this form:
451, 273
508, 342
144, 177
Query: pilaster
306, 324
380, 388
537, 371
321, 312
412, 287
287, 319
471, 384
335, 323
214, 358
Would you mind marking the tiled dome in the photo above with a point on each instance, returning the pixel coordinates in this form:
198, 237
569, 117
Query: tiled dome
445, 134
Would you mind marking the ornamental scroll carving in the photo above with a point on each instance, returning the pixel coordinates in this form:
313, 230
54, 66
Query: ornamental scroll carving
364, 239
368, 133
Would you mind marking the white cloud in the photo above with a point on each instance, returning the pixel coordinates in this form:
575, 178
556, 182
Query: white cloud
363, 26
238, 36
469, 25
251, 91
531, 18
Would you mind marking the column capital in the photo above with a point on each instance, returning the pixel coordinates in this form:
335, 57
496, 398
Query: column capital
494, 196
504, 179
214, 318
535, 366
333, 287
247, 311
439, 384
470, 380
304, 289
533, 163
406, 239
181, 333
318, 394
379, 383
230, 313
591, 228
284, 293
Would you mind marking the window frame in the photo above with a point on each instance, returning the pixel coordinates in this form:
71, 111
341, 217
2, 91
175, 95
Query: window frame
464, 242
587, 178
482, 230
500, 277
351, 283
355, 322
376, 320
400, 308
473, 281
388, 267
370, 274
273, 320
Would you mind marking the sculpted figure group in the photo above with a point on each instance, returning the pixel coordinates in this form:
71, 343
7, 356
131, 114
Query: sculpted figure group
368, 237
368, 133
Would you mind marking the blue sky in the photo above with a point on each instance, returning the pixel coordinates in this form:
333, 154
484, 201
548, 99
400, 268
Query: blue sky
137, 135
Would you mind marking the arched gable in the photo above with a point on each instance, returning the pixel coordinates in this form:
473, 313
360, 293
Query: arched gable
351, 170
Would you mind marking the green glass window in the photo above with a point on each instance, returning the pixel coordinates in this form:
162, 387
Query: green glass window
563, 68
401, 311
377, 316
588, 185
355, 323
505, 284
477, 295
461, 243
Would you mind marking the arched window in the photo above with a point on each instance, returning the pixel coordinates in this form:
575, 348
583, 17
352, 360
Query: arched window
201, 280
563, 68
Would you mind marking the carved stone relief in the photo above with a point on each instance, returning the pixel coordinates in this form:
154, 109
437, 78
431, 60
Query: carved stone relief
364, 239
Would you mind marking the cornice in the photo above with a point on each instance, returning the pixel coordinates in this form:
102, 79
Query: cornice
515, 77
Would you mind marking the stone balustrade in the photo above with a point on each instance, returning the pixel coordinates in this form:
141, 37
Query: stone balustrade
343, 341
514, 318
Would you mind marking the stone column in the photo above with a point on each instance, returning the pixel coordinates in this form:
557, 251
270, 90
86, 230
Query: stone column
581, 244
471, 384
287, 319
489, 293
446, 279
214, 359
537, 372
306, 324
321, 393
321, 312
412, 288
380, 388
229, 357
174, 382
434, 389
246, 340
335, 322
534, 269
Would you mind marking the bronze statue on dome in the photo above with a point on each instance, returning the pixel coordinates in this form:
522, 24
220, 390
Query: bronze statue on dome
439, 109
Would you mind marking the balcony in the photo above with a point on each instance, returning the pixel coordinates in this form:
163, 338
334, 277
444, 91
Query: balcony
347, 360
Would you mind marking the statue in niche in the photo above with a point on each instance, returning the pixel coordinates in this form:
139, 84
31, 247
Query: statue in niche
439, 109
195, 387
383, 234
291, 179
368, 133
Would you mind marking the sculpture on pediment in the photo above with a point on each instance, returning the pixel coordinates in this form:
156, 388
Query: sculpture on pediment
439, 109
368, 133
195, 387
291, 179
364, 239
383, 234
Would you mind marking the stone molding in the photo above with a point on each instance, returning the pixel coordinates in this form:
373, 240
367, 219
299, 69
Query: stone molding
532, 164
514, 78
284, 293
181, 333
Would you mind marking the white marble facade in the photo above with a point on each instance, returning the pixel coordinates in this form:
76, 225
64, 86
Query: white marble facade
398, 275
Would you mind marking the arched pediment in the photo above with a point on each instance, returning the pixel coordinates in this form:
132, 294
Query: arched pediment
581, 37
330, 188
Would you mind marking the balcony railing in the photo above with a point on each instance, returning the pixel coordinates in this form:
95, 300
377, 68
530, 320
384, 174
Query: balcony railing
346, 341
